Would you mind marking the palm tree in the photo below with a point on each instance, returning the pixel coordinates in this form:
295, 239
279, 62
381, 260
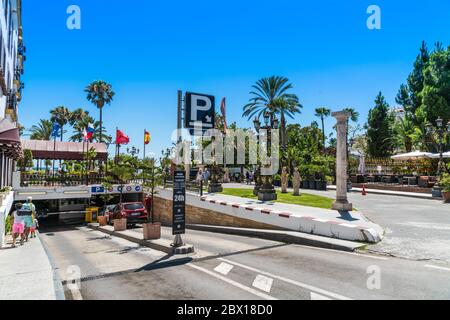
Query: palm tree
42, 131
61, 115
77, 115
323, 113
100, 93
270, 95
82, 124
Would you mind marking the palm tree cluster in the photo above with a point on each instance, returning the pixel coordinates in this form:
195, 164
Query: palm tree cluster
100, 94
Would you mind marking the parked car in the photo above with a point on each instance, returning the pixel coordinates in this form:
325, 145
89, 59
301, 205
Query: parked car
107, 211
134, 212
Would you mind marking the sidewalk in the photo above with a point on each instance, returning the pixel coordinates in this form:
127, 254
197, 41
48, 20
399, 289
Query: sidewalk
26, 273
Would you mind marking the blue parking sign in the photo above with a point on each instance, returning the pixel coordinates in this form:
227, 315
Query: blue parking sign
98, 189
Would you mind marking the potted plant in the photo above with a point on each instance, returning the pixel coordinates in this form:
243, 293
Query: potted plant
445, 184
151, 229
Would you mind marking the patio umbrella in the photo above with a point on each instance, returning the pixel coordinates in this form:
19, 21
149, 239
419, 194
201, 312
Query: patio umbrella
362, 165
437, 156
412, 155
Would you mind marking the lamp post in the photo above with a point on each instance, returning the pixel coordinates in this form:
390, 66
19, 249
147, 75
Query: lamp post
263, 183
440, 130
133, 151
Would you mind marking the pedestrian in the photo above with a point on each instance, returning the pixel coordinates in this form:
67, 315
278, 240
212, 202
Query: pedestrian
28, 219
18, 228
206, 176
199, 177
34, 227
247, 177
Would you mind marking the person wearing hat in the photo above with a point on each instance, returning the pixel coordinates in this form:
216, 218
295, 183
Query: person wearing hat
29, 219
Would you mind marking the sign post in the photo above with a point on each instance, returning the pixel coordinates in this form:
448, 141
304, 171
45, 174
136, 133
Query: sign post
179, 208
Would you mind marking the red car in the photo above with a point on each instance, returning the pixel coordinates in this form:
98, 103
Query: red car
134, 212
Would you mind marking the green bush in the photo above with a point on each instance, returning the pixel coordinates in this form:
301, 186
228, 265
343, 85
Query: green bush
8, 225
445, 182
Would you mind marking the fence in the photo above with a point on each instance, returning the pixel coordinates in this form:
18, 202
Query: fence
192, 186
387, 166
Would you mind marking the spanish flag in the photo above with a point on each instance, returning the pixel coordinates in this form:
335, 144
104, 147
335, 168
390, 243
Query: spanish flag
147, 137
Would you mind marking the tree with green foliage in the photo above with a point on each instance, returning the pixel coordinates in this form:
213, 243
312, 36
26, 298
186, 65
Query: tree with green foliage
41, 131
26, 161
61, 115
323, 113
379, 129
100, 94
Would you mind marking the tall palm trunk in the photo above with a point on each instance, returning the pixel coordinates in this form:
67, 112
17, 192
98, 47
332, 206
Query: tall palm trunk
323, 131
101, 124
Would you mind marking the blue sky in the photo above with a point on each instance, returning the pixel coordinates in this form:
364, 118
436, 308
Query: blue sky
148, 49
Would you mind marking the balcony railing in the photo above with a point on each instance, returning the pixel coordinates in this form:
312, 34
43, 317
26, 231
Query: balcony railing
68, 180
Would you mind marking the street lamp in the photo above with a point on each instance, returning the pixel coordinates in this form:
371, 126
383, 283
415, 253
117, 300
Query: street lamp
133, 151
264, 188
437, 190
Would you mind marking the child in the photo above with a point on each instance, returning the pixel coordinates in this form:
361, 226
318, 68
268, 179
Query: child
34, 227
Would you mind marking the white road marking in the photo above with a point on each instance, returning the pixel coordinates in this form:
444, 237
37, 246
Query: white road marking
224, 268
315, 296
436, 267
263, 283
76, 294
370, 256
294, 282
233, 283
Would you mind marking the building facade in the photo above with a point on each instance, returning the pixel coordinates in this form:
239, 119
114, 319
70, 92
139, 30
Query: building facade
12, 57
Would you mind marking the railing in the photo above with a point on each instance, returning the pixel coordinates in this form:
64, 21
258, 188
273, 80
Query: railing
68, 180
192, 186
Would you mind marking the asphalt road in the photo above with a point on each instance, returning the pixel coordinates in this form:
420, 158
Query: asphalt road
416, 229
113, 268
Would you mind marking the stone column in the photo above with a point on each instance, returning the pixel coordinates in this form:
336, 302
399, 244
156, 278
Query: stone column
341, 203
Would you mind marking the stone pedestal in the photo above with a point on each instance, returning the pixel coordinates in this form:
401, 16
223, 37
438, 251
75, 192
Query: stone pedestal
341, 203
267, 191
284, 180
296, 181
215, 187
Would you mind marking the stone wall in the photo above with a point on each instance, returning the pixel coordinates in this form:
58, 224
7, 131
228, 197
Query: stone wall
196, 215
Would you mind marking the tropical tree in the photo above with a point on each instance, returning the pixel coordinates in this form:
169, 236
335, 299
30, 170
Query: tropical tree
80, 125
122, 172
41, 131
379, 129
271, 95
78, 115
100, 93
404, 129
323, 113
61, 115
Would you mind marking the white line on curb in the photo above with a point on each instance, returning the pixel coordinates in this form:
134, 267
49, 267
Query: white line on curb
315, 296
344, 252
234, 283
76, 294
296, 283
436, 267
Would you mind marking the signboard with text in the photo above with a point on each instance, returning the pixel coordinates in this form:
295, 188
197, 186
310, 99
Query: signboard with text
179, 203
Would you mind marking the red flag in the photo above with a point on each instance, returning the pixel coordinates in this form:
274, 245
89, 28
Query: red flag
223, 109
121, 138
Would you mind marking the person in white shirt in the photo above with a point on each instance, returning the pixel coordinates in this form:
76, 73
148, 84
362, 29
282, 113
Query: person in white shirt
18, 228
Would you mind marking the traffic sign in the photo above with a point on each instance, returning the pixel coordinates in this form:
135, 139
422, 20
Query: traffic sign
98, 189
179, 203
199, 111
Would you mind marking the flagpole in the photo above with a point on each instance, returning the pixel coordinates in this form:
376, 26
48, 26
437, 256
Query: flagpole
87, 162
54, 156
145, 137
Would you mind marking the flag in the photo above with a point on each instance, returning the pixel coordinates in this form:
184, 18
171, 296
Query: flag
56, 130
223, 109
89, 132
147, 137
121, 138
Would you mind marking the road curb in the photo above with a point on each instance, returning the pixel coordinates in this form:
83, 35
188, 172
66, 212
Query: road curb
288, 237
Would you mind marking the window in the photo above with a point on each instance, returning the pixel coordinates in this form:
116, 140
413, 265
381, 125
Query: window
133, 206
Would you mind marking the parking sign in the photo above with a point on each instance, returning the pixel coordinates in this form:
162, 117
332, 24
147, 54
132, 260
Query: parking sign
199, 111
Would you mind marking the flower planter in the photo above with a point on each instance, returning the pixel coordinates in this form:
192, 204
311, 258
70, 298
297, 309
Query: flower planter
102, 221
321, 185
446, 196
152, 231
120, 224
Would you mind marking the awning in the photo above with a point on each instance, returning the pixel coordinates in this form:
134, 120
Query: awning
47, 150
412, 156
10, 139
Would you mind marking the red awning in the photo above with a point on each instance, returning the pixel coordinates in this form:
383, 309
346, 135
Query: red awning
63, 150
10, 139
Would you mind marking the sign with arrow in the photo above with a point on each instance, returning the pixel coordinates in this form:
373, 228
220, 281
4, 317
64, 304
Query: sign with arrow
199, 111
